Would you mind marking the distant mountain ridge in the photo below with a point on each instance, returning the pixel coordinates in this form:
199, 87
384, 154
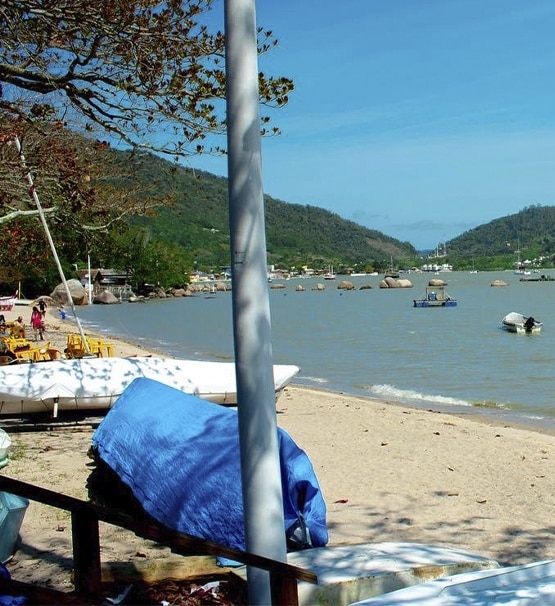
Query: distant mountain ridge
296, 235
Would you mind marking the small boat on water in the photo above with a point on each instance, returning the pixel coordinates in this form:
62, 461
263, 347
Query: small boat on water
538, 278
330, 275
95, 383
435, 296
521, 324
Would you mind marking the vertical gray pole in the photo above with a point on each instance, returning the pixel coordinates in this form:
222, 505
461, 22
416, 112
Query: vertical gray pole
260, 469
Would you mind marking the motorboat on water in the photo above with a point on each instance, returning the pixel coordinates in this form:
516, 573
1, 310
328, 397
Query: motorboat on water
435, 296
521, 324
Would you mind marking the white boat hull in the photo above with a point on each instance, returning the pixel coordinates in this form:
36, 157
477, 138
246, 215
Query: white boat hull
95, 383
529, 584
517, 323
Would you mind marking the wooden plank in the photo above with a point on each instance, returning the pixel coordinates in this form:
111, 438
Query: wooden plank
281, 573
175, 568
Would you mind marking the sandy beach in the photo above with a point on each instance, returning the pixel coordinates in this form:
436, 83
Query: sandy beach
387, 472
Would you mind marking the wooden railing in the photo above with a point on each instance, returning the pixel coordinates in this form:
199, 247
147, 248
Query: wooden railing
85, 517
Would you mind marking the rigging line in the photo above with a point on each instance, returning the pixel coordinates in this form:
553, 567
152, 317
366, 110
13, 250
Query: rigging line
34, 195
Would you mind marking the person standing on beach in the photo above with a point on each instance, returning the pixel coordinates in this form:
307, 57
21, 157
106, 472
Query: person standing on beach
37, 323
42, 307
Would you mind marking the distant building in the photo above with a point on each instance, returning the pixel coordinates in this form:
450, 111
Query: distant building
106, 279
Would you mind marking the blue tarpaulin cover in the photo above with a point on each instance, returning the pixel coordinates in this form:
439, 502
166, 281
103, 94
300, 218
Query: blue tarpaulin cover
180, 457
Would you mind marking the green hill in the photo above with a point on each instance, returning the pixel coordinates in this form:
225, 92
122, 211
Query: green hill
296, 235
532, 231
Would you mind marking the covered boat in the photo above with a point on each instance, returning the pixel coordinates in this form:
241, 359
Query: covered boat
177, 458
521, 324
95, 383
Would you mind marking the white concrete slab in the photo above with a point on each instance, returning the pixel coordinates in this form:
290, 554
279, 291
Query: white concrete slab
531, 584
355, 572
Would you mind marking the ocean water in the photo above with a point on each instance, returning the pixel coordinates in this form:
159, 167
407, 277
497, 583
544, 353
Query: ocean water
374, 343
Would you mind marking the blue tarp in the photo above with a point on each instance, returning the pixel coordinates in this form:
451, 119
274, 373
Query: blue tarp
180, 457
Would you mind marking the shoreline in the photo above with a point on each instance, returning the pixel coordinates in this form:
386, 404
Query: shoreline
58, 329
493, 418
388, 472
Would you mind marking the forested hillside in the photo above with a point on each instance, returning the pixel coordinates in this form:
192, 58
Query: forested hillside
296, 235
532, 231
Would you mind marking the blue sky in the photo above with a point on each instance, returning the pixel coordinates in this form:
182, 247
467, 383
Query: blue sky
419, 118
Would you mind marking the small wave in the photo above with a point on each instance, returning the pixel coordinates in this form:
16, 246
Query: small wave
318, 380
407, 395
489, 404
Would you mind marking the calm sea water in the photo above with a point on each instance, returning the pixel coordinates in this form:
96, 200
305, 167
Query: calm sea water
375, 343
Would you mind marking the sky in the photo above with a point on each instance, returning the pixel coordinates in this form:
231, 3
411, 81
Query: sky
419, 118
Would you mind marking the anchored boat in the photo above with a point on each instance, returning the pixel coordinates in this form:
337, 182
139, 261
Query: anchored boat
521, 324
435, 296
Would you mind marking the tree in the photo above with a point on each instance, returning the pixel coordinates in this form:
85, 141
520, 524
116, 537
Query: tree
83, 187
142, 73
148, 72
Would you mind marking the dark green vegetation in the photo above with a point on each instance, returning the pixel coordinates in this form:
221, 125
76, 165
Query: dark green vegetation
494, 245
184, 227
296, 235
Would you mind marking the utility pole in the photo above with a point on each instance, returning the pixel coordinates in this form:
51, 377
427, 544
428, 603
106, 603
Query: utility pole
260, 466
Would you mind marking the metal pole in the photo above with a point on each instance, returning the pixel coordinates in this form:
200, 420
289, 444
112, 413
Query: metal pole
260, 467
89, 276
34, 195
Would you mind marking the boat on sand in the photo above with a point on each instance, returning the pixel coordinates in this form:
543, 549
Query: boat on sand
7, 303
524, 585
95, 383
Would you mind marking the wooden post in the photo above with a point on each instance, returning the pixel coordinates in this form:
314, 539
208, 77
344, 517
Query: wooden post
86, 551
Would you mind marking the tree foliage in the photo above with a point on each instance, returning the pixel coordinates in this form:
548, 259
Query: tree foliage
149, 72
141, 73
78, 183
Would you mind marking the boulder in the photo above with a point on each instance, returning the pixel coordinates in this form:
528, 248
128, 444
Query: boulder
105, 298
437, 282
300, 288
76, 290
319, 286
345, 285
365, 287
499, 283
390, 282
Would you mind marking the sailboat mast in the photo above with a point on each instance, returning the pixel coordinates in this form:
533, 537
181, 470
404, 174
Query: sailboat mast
34, 195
